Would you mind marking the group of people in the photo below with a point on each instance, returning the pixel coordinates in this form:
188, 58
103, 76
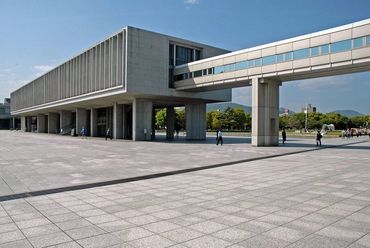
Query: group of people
318, 137
84, 133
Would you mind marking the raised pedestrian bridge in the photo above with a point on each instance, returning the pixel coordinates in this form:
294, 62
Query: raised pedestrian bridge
335, 51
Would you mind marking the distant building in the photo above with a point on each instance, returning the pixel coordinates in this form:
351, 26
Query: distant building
309, 108
5, 114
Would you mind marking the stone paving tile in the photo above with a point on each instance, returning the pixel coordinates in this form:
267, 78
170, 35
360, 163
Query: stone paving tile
207, 242
233, 235
17, 244
103, 240
317, 241
72, 244
263, 242
340, 233
8, 227
84, 232
364, 241
161, 226
208, 227
143, 219
287, 234
11, 236
115, 225
133, 233
182, 235
49, 239
154, 241
40, 230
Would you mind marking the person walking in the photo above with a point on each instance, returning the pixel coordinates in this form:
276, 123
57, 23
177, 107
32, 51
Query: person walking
219, 138
318, 138
107, 134
283, 134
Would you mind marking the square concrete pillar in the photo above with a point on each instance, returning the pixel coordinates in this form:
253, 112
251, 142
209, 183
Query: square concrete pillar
93, 122
29, 124
41, 127
265, 112
65, 120
118, 121
195, 121
81, 119
23, 123
53, 123
170, 123
142, 119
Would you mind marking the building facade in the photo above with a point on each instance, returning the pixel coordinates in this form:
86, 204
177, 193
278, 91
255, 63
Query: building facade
117, 84
5, 120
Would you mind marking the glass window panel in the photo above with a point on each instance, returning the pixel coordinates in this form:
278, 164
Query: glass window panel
268, 60
210, 71
324, 49
184, 55
301, 53
219, 69
368, 40
358, 42
341, 46
241, 65
279, 58
197, 55
315, 51
198, 73
230, 67
205, 72
186, 75
250, 63
258, 62
288, 56
190, 75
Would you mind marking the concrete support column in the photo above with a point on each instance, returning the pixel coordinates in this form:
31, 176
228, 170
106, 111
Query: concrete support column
265, 112
23, 123
195, 121
65, 119
81, 119
93, 122
53, 123
29, 124
170, 124
142, 119
41, 128
118, 121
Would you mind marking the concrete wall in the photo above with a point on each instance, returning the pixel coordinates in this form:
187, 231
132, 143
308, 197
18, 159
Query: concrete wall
142, 119
53, 123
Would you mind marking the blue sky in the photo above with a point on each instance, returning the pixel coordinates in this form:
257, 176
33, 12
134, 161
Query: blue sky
36, 35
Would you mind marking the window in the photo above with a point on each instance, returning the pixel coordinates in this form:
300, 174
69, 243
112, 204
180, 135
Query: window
205, 72
279, 58
268, 60
368, 40
288, 56
190, 75
358, 42
186, 76
301, 53
250, 63
219, 69
197, 73
324, 49
241, 65
183, 55
170, 50
210, 71
179, 77
315, 51
341, 46
229, 67
257, 62
197, 55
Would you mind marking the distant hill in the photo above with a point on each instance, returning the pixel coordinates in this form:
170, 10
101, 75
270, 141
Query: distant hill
348, 113
225, 105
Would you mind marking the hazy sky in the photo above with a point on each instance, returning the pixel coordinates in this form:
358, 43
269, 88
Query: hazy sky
36, 35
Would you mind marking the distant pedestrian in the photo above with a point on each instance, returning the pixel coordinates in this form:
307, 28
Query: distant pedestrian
84, 130
219, 138
318, 138
283, 134
108, 134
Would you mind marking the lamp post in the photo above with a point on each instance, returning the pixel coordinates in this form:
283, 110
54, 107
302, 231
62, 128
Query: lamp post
305, 120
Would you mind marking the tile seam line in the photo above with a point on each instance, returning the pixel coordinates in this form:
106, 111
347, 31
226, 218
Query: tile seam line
158, 175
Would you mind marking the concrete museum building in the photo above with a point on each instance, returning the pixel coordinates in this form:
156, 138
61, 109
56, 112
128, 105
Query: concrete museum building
119, 82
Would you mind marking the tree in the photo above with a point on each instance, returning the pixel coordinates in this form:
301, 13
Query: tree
180, 118
248, 121
160, 118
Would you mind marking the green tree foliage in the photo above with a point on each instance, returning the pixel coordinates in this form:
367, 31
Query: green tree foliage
160, 118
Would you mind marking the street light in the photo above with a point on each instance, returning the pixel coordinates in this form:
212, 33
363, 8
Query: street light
305, 120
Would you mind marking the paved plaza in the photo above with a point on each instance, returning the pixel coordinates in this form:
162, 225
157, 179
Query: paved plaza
313, 198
